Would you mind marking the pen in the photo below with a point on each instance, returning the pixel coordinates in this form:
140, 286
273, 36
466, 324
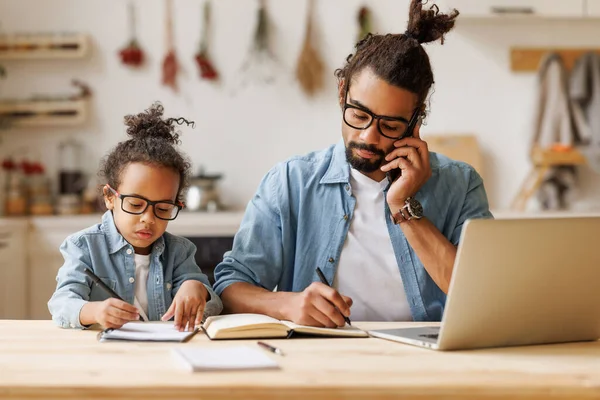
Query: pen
324, 281
101, 284
270, 348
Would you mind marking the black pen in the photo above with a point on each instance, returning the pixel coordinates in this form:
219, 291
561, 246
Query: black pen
324, 281
101, 284
270, 348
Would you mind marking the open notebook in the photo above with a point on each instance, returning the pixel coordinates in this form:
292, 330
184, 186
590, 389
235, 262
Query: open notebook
146, 332
245, 326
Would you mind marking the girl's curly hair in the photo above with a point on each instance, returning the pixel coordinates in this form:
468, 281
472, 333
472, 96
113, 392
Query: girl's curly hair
152, 142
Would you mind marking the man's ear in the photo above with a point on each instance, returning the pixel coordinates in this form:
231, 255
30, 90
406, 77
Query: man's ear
417, 131
109, 199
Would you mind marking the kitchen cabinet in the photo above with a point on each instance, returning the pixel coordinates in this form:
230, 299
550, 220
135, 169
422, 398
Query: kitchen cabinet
13, 269
516, 8
45, 237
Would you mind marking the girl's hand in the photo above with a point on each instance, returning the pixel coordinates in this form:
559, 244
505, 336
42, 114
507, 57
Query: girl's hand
113, 313
188, 306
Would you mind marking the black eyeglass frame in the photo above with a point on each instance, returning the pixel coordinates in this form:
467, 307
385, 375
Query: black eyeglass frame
179, 205
414, 119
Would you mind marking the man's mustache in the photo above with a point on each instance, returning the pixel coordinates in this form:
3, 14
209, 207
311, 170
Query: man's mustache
363, 146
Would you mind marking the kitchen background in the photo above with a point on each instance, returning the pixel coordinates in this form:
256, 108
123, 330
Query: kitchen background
243, 126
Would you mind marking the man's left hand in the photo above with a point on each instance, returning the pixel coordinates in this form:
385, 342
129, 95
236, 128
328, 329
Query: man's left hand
188, 305
411, 156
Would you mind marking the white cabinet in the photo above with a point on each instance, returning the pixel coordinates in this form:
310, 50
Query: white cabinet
593, 8
45, 237
515, 8
44, 262
13, 269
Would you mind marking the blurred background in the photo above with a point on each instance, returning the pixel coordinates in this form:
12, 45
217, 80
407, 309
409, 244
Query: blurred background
515, 95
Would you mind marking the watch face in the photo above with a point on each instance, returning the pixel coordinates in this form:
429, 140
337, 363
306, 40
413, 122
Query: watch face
415, 208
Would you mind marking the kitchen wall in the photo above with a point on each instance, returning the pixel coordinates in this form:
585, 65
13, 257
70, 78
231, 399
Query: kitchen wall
242, 133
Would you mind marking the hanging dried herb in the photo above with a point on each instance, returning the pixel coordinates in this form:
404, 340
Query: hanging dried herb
8, 164
310, 68
365, 24
260, 64
170, 65
205, 65
132, 54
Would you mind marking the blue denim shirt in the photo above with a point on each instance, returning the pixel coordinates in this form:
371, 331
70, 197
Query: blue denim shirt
103, 250
301, 212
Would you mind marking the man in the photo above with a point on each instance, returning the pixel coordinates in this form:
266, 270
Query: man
377, 213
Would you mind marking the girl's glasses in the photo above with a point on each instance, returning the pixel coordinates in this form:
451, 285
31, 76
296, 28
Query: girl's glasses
137, 205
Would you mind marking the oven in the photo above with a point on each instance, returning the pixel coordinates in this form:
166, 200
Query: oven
209, 253
211, 232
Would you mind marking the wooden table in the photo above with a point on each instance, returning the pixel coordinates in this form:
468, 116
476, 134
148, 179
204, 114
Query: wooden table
39, 360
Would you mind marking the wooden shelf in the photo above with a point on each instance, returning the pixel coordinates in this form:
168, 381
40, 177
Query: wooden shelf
529, 59
551, 157
543, 159
43, 46
36, 113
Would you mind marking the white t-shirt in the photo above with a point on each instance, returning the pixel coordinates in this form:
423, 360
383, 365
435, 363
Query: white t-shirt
367, 270
142, 266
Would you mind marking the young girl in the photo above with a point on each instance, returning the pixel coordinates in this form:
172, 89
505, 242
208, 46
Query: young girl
153, 271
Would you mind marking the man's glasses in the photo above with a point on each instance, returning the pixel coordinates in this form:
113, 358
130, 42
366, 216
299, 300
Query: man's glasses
138, 205
392, 128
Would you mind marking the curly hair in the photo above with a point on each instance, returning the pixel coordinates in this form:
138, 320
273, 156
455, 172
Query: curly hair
152, 142
399, 59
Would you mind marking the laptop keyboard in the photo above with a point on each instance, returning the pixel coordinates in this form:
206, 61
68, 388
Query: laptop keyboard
430, 335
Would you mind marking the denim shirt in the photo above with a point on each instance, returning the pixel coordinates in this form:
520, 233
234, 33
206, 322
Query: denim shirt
103, 250
300, 215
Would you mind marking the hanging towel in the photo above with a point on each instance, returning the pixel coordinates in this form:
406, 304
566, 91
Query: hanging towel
555, 123
585, 94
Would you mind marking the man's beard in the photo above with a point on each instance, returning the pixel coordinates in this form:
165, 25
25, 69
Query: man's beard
363, 164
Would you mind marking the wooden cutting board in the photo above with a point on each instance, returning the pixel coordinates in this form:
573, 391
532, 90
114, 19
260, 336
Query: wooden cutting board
458, 147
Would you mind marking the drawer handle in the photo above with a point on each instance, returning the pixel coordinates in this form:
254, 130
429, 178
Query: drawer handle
513, 10
3, 245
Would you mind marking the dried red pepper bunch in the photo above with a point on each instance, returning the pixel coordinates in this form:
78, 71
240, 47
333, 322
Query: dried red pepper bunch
205, 65
207, 71
8, 164
132, 55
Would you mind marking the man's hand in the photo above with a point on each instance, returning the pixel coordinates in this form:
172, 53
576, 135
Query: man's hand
188, 305
411, 155
318, 305
110, 313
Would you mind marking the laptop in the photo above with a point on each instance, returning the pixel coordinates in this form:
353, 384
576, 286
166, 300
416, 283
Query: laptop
518, 282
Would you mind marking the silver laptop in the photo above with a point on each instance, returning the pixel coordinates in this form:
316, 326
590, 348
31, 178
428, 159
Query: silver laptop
518, 282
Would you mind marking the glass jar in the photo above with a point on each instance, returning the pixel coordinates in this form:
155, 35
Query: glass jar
15, 203
40, 197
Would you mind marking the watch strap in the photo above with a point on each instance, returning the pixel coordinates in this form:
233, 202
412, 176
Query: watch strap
401, 216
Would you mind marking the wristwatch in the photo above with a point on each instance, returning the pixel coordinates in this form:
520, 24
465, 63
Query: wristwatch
412, 209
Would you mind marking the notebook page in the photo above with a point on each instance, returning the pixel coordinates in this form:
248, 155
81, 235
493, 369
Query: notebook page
145, 331
346, 330
229, 358
230, 321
